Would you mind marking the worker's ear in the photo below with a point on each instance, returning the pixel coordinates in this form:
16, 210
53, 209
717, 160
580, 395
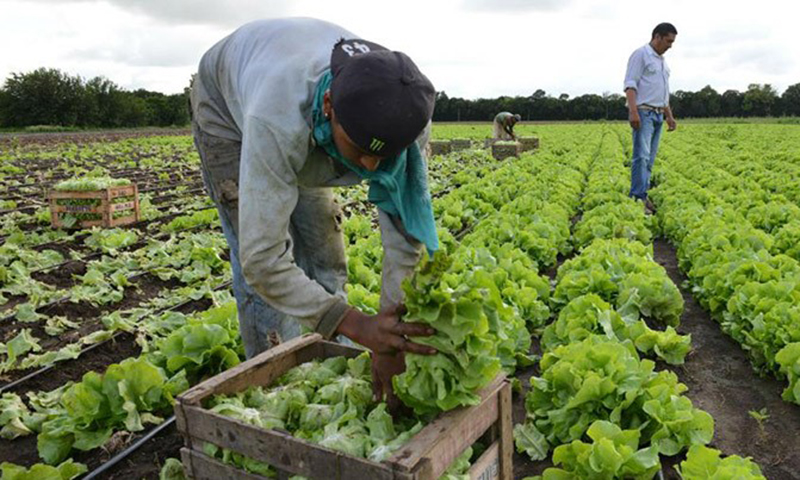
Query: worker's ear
327, 106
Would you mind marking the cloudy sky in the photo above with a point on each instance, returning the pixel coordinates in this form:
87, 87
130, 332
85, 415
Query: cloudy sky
468, 48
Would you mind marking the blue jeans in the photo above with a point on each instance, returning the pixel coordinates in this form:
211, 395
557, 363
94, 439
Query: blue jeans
645, 147
320, 255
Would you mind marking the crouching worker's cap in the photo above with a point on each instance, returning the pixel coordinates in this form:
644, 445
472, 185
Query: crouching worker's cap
380, 97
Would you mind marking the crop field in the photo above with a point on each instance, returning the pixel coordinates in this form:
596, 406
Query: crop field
647, 336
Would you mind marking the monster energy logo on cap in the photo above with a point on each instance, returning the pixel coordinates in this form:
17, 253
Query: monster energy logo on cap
376, 145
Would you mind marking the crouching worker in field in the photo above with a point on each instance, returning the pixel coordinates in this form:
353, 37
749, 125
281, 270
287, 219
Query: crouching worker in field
284, 110
504, 126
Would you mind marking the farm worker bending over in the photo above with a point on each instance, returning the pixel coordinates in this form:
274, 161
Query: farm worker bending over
283, 110
647, 91
504, 125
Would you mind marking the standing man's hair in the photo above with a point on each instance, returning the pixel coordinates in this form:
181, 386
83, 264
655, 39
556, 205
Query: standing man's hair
663, 29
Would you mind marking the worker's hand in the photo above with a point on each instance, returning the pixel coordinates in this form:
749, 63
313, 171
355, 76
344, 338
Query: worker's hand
633, 118
386, 335
671, 124
384, 367
385, 332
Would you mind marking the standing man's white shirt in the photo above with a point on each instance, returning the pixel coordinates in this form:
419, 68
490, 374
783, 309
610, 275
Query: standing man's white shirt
648, 74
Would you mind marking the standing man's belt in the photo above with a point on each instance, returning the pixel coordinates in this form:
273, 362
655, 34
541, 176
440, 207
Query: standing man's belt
645, 106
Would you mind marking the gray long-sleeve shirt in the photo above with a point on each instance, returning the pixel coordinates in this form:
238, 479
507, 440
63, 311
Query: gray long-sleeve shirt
256, 86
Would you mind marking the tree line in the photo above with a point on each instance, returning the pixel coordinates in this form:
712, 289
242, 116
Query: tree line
757, 101
49, 96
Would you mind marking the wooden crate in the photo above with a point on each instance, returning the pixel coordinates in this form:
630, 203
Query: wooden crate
529, 143
425, 457
106, 208
458, 144
503, 150
439, 147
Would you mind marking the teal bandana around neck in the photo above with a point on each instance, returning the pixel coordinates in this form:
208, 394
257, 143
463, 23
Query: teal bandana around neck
399, 186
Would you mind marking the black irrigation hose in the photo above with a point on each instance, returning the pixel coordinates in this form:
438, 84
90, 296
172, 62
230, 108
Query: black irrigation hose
66, 298
36, 373
137, 172
128, 451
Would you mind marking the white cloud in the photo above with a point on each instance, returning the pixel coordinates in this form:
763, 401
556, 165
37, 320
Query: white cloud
468, 48
515, 6
162, 47
193, 12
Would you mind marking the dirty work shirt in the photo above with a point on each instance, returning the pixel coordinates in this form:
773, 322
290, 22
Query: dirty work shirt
502, 118
501, 130
648, 74
256, 86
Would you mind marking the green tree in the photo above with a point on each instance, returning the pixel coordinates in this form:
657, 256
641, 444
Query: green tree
759, 100
791, 100
731, 103
101, 103
46, 96
708, 102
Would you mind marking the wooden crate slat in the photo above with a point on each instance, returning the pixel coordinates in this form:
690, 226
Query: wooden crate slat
116, 207
79, 208
115, 222
268, 365
505, 426
462, 426
528, 143
278, 449
91, 194
203, 467
487, 466
126, 191
331, 349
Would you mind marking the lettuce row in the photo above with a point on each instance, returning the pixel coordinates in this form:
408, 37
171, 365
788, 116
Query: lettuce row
621, 272
705, 463
603, 379
591, 371
613, 453
752, 292
589, 315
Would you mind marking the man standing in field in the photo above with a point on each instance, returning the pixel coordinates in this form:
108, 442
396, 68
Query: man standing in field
504, 125
647, 92
284, 110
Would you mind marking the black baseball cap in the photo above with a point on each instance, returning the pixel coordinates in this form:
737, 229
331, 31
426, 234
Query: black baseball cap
380, 97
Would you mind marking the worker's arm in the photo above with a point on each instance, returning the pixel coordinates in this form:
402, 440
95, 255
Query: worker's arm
633, 74
633, 111
268, 194
510, 130
671, 123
